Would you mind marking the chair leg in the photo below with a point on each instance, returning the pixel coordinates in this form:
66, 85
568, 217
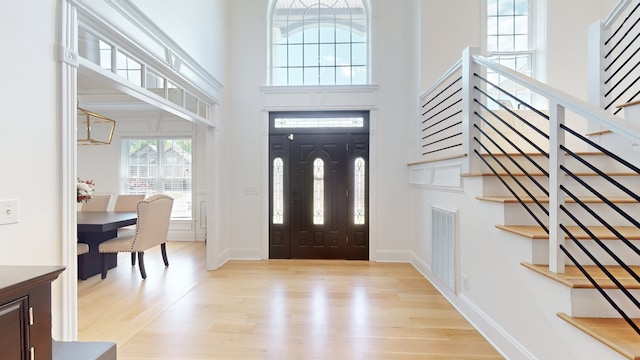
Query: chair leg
103, 262
143, 272
133, 259
163, 247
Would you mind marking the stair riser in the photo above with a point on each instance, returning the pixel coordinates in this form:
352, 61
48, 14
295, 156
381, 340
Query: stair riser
590, 303
540, 252
492, 186
602, 162
516, 214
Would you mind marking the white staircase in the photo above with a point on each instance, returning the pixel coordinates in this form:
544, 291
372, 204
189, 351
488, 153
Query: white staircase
576, 299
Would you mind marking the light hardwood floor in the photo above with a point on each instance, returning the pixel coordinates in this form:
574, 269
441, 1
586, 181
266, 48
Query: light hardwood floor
272, 309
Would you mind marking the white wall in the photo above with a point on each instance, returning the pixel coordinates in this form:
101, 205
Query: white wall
567, 22
397, 77
246, 130
30, 133
30, 138
448, 27
198, 26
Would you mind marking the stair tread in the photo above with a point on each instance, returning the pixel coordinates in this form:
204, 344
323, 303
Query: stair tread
586, 200
615, 333
537, 233
573, 278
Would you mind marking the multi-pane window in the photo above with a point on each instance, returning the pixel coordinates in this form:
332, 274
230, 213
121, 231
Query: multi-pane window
128, 68
319, 42
158, 166
509, 43
110, 57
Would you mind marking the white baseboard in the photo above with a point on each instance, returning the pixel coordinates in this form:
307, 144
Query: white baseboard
398, 256
246, 254
499, 338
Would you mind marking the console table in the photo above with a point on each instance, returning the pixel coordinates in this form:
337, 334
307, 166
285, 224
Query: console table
25, 311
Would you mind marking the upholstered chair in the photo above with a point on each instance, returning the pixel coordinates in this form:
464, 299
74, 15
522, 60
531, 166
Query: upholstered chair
127, 203
154, 215
97, 203
83, 248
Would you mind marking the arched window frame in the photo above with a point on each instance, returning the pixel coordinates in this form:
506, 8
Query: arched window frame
271, 78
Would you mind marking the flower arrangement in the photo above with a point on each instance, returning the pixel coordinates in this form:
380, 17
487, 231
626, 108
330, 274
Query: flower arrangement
84, 190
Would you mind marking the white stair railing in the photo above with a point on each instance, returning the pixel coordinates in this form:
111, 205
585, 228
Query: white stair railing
614, 58
471, 69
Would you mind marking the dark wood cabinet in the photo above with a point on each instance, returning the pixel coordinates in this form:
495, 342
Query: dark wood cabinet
25, 311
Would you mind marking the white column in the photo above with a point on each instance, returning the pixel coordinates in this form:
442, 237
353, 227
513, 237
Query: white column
66, 328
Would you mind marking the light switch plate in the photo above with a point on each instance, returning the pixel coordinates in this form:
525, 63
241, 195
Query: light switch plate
8, 211
251, 190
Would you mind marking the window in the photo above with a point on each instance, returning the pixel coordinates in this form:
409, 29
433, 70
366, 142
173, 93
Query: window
158, 166
318, 122
278, 191
104, 53
128, 68
319, 42
318, 192
359, 191
509, 43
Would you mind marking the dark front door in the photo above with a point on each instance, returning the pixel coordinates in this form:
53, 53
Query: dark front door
318, 196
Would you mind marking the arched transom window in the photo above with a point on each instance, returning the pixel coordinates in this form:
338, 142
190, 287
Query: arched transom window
319, 42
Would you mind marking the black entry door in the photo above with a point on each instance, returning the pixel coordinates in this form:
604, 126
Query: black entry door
315, 179
319, 196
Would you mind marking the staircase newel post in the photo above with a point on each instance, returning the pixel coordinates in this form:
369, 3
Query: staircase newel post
471, 164
556, 178
595, 65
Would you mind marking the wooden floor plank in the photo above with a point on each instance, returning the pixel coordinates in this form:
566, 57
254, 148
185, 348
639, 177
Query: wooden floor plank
273, 309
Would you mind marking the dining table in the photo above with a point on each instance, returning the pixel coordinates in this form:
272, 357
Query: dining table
95, 227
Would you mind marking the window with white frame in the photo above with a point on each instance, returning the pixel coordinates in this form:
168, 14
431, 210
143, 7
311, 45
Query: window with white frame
153, 166
509, 43
319, 42
103, 52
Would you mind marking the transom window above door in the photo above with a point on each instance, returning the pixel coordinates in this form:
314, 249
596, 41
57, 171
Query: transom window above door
319, 42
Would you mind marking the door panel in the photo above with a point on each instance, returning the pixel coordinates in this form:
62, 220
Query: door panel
279, 230
358, 247
318, 230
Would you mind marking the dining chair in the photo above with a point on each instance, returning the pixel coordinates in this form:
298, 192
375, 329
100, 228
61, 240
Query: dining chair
154, 216
97, 203
127, 203
83, 248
